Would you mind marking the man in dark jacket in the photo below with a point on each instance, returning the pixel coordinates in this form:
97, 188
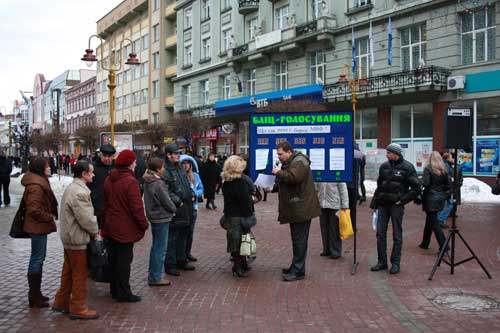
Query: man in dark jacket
140, 168
102, 167
298, 204
5, 171
397, 185
183, 196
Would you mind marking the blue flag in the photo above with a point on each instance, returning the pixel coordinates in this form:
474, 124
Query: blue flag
353, 42
389, 43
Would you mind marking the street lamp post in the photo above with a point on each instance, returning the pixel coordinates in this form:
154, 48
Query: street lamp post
112, 66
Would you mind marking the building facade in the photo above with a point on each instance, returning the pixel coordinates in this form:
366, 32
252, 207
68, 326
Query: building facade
143, 93
80, 111
235, 58
39, 88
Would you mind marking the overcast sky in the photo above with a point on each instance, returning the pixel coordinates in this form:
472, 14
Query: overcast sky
45, 37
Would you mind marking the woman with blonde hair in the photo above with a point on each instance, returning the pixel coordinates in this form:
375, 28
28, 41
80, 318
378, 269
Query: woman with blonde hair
237, 189
437, 186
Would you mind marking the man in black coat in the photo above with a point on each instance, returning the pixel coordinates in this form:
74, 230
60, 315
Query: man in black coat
102, 167
183, 197
140, 168
5, 171
397, 185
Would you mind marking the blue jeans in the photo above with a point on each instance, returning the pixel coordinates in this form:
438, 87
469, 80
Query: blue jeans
158, 250
38, 252
445, 212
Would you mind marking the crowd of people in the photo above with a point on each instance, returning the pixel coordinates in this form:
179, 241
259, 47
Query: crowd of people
120, 197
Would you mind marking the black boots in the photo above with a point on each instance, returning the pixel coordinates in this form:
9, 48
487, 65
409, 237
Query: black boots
213, 204
35, 297
238, 268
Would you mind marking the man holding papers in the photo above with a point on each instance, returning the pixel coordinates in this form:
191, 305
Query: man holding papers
298, 204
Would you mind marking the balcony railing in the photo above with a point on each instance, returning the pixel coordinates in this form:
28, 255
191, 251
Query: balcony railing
239, 50
248, 6
433, 77
306, 28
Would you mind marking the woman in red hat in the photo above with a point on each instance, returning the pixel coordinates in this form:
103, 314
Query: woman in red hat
124, 223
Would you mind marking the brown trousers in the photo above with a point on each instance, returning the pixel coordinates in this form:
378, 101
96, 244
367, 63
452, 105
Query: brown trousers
72, 295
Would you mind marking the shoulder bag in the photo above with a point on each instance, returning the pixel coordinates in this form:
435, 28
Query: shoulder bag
17, 228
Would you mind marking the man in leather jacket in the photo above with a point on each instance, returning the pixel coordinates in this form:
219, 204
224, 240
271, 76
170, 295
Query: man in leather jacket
182, 196
397, 185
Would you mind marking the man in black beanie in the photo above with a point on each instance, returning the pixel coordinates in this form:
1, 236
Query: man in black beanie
397, 185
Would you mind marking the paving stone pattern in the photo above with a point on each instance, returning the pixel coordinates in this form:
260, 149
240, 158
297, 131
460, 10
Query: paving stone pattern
330, 299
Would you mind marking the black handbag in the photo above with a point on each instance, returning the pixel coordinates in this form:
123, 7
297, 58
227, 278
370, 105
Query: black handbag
17, 228
495, 189
98, 261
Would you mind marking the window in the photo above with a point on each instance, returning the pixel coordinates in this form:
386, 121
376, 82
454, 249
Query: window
252, 27
144, 96
156, 60
119, 78
413, 47
251, 81
205, 92
205, 9
281, 17
318, 67
488, 121
155, 118
188, 17
156, 32
118, 102
145, 41
137, 98
126, 101
156, 5
226, 87
126, 51
205, 48
186, 96
360, 3
281, 69
145, 68
225, 4
137, 72
412, 121
363, 57
156, 89
188, 55
137, 45
478, 35
118, 56
226, 39
128, 75
316, 8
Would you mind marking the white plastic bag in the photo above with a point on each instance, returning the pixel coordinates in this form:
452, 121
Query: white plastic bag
246, 245
374, 220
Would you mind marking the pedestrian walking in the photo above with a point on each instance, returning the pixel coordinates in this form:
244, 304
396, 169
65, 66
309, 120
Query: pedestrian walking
211, 178
159, 211
191, 167
39, 221
397, 185
437, 190
298, 204
237, 189
124, 223
5, 171
72, 161
67, 164
332, 197
183, 196
102, 168
78, 226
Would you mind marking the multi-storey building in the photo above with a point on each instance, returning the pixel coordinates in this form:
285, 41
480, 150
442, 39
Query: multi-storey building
39, 88
144, 93
80, 110
264, 51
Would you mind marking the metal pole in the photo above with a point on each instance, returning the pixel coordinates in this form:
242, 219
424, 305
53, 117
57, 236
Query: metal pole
10, 137
112, 86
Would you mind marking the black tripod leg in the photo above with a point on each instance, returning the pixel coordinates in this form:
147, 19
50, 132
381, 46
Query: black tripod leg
355, 259
441, 256
474, 255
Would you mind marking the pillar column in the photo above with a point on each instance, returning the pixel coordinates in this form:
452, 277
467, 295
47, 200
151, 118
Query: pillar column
438, 113
383, 126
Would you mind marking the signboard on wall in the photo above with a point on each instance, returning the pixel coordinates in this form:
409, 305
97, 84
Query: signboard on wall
123, 140
325, 137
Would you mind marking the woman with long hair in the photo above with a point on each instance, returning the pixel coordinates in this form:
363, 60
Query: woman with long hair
437, 186
238, 204
41, 213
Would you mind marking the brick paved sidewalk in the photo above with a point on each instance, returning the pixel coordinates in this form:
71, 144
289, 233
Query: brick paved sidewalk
328, 300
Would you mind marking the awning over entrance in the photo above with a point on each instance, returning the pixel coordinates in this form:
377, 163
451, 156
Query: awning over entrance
248, 104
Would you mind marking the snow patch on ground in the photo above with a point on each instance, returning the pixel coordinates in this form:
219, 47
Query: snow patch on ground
473, 190
57, 184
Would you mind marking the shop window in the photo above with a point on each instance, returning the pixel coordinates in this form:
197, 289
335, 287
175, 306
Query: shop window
367, 120
412, 121
422, 121
488, 116
244, 137
401, 121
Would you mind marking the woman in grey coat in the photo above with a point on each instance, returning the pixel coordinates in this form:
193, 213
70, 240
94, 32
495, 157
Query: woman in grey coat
332, 197
159, 210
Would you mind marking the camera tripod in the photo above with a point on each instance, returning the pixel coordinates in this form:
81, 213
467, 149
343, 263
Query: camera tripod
452, 234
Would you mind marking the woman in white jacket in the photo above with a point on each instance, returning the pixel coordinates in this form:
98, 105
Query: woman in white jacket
332, 197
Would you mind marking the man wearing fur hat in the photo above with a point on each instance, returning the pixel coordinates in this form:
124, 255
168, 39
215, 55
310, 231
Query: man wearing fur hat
397, 185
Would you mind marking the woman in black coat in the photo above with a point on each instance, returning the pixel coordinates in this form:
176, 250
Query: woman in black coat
437, 189
210, 178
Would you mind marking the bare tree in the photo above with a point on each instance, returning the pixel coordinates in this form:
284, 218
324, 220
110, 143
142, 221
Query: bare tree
186, 126
154, 133
90, 135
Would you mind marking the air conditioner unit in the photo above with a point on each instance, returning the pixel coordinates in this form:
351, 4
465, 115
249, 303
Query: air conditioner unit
456, 82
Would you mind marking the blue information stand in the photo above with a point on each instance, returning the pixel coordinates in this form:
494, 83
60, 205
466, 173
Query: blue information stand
325, 137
